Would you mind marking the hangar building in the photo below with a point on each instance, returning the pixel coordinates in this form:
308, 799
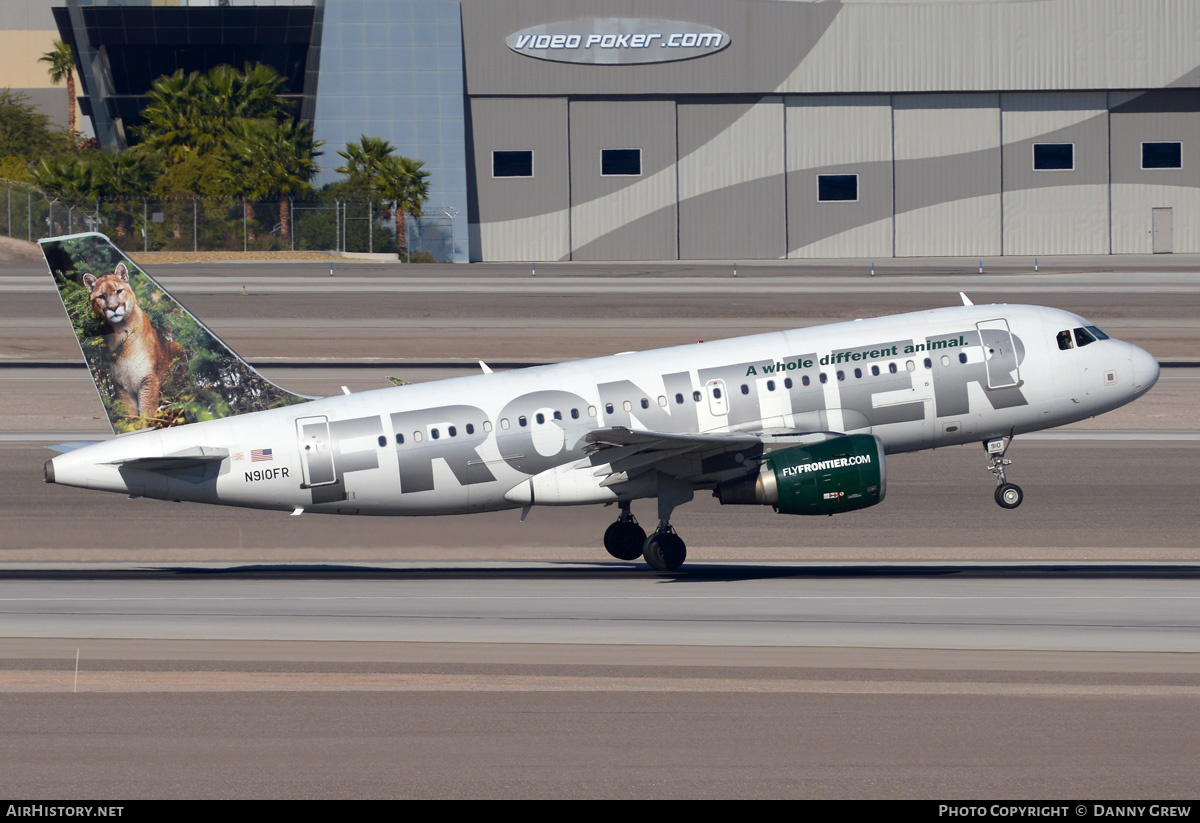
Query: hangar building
749, 129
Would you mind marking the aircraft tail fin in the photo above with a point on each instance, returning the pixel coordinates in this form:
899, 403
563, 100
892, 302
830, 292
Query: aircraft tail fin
154, 364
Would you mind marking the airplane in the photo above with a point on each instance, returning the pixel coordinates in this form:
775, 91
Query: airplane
800, 421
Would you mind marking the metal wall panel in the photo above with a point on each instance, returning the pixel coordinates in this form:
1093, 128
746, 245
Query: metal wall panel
839, 135
1154, 116
947, 174
1055, 212
972, 46
521, 218
731, 180
623, 218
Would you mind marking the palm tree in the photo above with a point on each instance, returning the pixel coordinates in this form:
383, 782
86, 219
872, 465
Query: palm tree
62, 65
288, 150
406, 184
197, 112
269, 158
122, 177
365, 161
173, 126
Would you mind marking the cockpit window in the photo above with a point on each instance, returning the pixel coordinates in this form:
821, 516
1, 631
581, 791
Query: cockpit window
1064, 340
1084, 337
1099, 335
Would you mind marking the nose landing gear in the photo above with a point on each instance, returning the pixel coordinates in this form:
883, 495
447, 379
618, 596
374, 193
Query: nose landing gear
1008, 495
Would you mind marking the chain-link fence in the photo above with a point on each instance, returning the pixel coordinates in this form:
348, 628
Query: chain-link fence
188, 224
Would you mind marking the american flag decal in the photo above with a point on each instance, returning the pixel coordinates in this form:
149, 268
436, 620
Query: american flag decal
259, 455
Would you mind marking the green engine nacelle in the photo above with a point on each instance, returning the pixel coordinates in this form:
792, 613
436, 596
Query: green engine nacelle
839, 475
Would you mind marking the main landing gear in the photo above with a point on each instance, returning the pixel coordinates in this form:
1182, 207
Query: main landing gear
624, 539
1008, 495
664, 550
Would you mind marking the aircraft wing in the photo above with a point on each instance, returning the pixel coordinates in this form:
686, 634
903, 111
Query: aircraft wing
620, 454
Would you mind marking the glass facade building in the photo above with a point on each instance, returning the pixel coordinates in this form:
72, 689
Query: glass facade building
391, 69
394, 69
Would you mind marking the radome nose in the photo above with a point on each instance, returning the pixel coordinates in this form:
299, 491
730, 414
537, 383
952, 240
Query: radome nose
1145, 369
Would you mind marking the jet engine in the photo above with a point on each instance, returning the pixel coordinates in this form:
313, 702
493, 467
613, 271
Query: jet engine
838, 475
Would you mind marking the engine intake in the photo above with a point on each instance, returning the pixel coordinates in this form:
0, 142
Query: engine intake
839, 475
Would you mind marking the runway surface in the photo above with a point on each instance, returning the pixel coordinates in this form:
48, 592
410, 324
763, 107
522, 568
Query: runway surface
933, 646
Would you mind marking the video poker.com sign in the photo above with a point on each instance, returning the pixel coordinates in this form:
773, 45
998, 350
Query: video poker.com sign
618, 41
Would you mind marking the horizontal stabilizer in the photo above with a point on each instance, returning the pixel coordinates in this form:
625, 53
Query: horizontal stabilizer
194, 457
70, 446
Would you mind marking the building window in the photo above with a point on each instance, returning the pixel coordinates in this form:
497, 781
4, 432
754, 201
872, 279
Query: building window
1053, 156
835, 188
512, 164
1162, 155
620, 162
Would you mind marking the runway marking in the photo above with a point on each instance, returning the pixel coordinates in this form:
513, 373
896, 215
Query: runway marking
43, 681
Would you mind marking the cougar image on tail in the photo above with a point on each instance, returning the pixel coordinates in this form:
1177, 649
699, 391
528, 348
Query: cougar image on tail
154, 364
141, 356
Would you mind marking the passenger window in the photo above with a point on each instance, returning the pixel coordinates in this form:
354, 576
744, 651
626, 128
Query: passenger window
382, 440
541, 418
857, 373
591, 411
557, 415
928, 363
841, 375
1083, 337
399, 439
745, 389
608, 408
824, 378
962, 357
1064, 340
770, 385
434, 434
892, 368
875, 371
787, 382
453, 432
504, 423
487, 425
627, 406
522, 421
803, 380
696, 396
717, 393
417, 437
945, 360
662, 401
470, 428
574, 414
645, 403
679, 399
910, 365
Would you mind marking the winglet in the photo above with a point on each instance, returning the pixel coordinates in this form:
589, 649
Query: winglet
154, 364
966, 300
486, 368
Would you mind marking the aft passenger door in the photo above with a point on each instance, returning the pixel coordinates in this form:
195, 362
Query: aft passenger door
316, 452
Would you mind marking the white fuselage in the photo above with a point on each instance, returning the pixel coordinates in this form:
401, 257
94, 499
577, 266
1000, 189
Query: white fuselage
920, 380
